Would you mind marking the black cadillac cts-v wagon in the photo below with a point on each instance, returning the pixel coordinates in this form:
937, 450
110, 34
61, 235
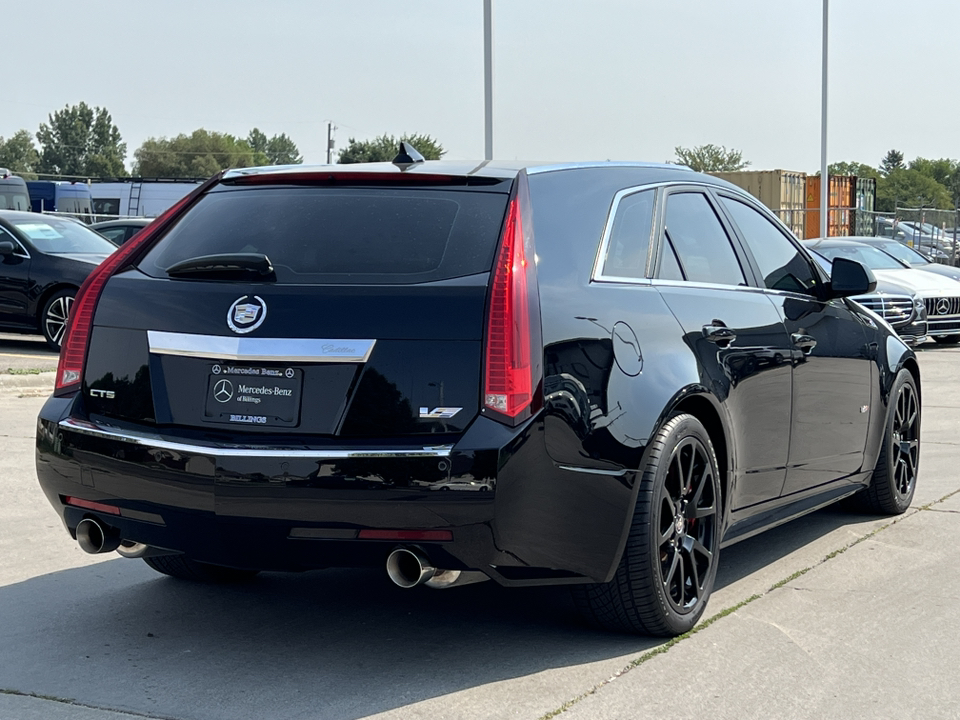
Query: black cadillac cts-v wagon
594, 374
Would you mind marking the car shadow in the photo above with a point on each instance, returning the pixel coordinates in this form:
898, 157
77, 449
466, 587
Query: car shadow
323, 644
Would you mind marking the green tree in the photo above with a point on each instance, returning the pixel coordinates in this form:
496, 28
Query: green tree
710, 158
81, 141
385, 148
201, 154
18, 154
279, 150
944, 171
905, 187
853, 168
893, 160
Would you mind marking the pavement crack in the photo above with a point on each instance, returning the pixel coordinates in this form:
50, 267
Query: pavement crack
703, 625
941, 510
75, 703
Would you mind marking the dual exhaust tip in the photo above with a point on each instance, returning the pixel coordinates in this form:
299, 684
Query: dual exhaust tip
409, 567
406, 567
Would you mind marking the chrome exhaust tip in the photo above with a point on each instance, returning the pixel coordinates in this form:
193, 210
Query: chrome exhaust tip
408, 567
95, 538
129, 549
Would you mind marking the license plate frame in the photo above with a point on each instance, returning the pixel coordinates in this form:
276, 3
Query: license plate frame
248, 395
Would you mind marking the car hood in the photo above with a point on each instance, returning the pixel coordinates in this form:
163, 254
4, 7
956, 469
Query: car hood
92, 258
925, 284
947, 271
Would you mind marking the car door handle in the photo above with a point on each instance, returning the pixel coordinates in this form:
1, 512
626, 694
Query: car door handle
805, 342
719, 334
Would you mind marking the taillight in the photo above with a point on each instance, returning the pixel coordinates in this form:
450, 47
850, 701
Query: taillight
76, 338
512, 362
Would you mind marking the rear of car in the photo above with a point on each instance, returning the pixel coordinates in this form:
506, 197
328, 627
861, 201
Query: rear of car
13, 192
298, 370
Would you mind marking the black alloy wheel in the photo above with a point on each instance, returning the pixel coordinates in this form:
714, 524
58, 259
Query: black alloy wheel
669, 564
687, 514
53, 320
895, 476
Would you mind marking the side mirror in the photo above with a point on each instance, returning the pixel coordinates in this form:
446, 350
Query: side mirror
7, 247
848, 278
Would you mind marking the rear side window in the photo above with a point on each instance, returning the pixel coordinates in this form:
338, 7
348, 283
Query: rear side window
701, 243
346, 236
630, 236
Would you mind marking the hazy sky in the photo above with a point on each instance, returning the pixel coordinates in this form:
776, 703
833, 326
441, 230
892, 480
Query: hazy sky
574, 79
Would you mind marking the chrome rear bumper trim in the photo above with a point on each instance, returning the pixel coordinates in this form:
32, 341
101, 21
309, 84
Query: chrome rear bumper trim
250, 349
149, 440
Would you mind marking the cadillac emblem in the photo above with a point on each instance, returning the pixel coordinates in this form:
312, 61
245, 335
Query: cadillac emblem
246, 314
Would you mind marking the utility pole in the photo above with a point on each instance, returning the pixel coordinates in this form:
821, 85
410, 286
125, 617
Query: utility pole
824, 177
488, 79
330, 128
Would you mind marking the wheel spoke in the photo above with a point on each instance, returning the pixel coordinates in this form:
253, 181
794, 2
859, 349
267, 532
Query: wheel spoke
669, 575
694, 574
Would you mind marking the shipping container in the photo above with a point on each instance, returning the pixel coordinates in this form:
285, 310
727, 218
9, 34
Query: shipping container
840, 201
782, 191
865, 201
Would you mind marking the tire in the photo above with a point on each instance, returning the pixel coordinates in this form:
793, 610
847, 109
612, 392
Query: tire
669, 564
53, 317
183, 568
895, 475
946, 339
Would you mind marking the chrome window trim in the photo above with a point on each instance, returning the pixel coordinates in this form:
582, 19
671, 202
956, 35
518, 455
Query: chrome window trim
598, 261
257, 349
150, 440
16, 240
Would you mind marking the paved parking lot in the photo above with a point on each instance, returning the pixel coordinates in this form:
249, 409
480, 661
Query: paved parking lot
864, 625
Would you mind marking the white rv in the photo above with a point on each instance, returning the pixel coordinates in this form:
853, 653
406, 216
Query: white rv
137, 197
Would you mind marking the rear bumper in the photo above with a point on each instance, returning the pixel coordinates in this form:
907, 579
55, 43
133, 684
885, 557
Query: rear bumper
512, 512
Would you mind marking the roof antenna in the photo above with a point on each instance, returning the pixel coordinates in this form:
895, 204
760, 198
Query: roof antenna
407, 157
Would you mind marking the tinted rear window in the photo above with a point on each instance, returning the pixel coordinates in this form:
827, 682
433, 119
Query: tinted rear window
353, 235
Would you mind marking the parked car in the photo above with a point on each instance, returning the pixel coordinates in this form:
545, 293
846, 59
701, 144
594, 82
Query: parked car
13, 192
275, 372
121, 230
900, 306
938, 249
941, 295
916, 260
43, 261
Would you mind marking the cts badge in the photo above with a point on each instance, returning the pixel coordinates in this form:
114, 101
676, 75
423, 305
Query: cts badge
246, 314
108, 394
439, 413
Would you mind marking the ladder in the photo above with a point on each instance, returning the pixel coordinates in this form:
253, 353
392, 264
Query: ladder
133, 207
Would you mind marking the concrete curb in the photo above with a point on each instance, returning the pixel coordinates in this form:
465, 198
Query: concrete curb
34, 383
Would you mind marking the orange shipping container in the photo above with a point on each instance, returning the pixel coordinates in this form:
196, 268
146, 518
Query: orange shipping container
841, 215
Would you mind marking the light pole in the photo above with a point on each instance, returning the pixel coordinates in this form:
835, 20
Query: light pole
488, 79
824, 177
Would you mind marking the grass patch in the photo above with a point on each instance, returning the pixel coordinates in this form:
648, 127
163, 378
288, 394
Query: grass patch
27, 371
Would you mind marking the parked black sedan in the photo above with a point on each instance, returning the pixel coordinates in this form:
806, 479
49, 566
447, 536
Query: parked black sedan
588, 374
43, 261
122, 229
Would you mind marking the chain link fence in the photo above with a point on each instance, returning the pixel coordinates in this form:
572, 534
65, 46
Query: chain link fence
932, 232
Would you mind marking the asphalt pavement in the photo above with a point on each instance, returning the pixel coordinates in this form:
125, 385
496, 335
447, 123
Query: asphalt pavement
836, 614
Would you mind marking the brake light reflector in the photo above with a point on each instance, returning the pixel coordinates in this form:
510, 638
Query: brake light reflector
424, 535
76, 337
91, 505
508, 385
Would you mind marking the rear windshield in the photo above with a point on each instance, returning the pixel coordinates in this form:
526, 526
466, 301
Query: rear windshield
342, 235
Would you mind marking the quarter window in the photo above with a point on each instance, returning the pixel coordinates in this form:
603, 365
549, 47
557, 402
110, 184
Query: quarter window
630, 236
701, 244
782, 265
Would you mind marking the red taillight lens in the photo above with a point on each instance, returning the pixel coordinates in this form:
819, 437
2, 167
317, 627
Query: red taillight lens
73, 351
510, 368
90, 505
